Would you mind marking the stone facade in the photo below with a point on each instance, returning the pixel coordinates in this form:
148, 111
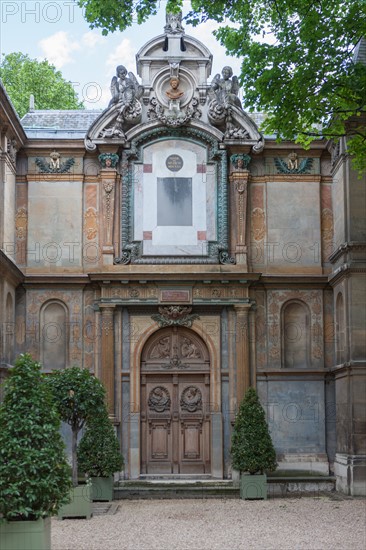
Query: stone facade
169, 211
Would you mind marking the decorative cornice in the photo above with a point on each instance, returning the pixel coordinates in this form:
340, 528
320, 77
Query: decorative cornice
344, 248
344, 271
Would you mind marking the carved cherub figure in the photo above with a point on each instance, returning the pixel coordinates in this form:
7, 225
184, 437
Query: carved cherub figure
225, 88
173, 92
173, 23
124, 89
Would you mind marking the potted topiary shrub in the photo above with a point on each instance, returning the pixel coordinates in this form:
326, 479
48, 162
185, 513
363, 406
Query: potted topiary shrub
78, 396
34, 473
99, 455
252, 449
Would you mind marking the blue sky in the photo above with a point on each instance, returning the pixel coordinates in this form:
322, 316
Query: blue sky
56, 30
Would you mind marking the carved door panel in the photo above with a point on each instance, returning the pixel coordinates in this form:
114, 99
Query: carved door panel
194, 419
175, 416
157, 425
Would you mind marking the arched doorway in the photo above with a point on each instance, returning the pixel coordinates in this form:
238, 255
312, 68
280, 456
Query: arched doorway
175, 407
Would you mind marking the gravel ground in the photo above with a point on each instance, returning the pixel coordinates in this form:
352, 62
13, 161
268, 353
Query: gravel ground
281, 524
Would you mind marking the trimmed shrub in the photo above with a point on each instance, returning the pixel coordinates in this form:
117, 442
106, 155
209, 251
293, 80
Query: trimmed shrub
98, 451
251, 445
34, 473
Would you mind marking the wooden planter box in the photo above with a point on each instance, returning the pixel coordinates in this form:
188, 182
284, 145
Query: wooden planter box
26, 535
102, 488
253, 486
80, 505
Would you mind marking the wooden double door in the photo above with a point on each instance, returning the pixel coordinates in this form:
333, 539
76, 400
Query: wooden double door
175, 409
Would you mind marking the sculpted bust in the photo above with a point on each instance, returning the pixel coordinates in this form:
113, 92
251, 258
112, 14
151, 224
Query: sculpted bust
173, 92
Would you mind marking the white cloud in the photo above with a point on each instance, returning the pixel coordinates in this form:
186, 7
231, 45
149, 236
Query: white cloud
58, 48
92, 38
123, 54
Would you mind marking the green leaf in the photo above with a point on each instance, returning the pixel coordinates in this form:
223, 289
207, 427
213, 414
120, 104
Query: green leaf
23, 76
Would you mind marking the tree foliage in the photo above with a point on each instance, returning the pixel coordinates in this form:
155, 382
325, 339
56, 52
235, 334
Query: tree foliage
78, 396
23, 76
251, 445
34, 474
297, 59
98, 451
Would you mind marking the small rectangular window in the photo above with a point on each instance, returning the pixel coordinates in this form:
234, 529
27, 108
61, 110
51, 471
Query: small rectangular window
174, 201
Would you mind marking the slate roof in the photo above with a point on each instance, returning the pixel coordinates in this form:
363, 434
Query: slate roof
360, 51
65, 124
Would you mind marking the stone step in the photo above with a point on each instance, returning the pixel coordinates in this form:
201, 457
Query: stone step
175, 477
171, 488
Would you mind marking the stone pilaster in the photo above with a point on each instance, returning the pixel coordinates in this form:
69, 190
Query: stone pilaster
107, 349
252, 338
239, 192
242, 351
108, 180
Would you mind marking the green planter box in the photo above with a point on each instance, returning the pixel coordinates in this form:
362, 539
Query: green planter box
102, 488
253, 486
25, 535
80, 505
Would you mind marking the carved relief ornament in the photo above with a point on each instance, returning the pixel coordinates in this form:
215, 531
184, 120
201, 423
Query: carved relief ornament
191, 399
54, 166
90, 223
21, 223
159, 399
175, 316
108, 160
292, 165
258, 224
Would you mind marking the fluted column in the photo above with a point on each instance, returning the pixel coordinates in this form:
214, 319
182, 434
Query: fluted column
107, 349
242, 350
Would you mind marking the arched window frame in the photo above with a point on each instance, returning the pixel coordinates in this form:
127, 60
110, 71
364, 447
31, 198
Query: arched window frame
308, 332
41, 329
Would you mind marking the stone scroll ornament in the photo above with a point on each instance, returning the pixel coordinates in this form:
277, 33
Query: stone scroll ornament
54, 166
292, 165
159, 399
191, 399
175, 316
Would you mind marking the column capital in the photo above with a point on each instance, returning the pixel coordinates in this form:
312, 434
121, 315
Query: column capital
106, 307
242, 308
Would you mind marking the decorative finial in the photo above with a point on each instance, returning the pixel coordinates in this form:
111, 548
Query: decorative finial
173, 23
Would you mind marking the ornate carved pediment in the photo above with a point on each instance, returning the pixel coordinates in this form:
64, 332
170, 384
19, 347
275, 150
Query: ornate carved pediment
235, 124
111, 125
124, 110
